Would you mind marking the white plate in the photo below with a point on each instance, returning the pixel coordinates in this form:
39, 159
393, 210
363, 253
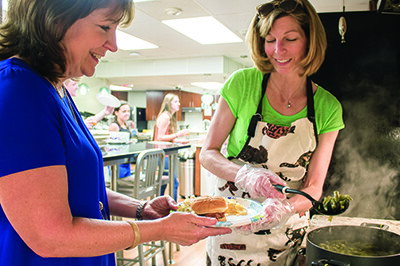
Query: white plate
108, 100
254, 211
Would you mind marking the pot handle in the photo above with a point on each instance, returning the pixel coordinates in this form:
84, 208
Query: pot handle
329, 262
373, 225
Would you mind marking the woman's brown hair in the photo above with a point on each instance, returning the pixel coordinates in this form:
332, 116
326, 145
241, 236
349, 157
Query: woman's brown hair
34, 29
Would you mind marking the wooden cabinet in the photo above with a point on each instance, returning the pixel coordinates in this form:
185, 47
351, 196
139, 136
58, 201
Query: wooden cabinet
121, 95
153, 104
189, 99
154, 100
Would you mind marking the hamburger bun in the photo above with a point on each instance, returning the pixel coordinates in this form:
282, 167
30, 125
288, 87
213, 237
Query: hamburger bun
210, 207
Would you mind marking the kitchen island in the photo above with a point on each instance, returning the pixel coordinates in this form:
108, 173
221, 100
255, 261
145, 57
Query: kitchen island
115, 154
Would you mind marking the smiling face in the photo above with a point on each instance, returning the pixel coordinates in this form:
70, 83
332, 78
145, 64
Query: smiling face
87, 40
123, 113
286, 45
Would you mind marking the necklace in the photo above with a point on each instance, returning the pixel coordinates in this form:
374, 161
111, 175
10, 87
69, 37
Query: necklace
61, 93
288, 99
70, 106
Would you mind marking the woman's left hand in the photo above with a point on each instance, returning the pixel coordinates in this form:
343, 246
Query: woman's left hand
159, 207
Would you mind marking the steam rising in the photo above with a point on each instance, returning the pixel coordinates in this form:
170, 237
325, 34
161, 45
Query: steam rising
366, 160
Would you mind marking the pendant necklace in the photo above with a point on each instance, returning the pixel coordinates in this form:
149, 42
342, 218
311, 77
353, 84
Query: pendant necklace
289, 103
66, 96
70, 106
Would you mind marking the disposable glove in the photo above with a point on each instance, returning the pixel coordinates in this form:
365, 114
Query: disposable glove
276, 213
258, 182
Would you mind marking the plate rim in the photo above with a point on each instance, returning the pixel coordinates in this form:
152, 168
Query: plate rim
230, 224
99, 95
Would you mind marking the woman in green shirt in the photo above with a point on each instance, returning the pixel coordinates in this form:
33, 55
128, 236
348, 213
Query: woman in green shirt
282, 128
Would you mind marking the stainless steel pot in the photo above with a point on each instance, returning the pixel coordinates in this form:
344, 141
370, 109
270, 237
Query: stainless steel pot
381, 239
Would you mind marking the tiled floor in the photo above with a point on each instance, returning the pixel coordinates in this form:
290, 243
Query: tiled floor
194, 255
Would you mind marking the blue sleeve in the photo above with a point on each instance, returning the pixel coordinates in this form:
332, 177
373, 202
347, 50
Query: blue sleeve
30, 121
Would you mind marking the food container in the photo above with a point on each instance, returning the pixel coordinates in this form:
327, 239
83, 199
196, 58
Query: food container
118, 137
380, 241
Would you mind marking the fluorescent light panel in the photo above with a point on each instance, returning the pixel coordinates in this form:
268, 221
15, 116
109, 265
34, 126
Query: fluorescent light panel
120, 88
129, 42
204, 30
215, 86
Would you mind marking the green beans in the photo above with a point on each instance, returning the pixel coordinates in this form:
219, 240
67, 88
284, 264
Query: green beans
336, 202
354, 248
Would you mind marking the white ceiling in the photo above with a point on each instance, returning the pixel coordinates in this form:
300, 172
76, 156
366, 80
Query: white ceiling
179, 60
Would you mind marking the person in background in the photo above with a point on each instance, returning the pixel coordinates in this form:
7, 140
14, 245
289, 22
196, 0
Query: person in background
122, 124
72, 86
54, 206
166, 129
282, 129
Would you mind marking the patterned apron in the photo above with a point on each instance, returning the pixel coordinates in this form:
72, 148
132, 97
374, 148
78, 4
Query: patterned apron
286, 151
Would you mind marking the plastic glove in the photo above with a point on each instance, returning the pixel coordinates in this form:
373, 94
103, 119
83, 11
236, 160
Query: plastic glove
276, 214
258, 182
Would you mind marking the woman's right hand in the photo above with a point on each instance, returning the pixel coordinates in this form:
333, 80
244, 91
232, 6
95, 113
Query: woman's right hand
183, 133
187, 229
259, 182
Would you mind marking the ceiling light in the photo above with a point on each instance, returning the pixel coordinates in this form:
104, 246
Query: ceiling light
215, 86
129, 42
120, 88
205, 30
173, 11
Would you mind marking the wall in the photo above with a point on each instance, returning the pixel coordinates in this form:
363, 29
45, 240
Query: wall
89, 102
364, 74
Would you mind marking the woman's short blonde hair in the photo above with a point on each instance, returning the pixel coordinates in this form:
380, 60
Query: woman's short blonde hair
308, 20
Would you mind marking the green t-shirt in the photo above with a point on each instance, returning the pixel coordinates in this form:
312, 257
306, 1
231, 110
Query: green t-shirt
242, 92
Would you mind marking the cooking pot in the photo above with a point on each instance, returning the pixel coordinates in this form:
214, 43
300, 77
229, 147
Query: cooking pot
383, 241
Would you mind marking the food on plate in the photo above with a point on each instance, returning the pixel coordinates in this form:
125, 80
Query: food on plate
235, 208
217, 207
210, 207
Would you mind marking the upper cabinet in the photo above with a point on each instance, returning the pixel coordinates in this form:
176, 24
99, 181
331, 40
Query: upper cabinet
189, 99
154, 100
153, 104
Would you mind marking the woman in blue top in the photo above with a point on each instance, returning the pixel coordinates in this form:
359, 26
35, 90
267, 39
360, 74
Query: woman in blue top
54, 207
